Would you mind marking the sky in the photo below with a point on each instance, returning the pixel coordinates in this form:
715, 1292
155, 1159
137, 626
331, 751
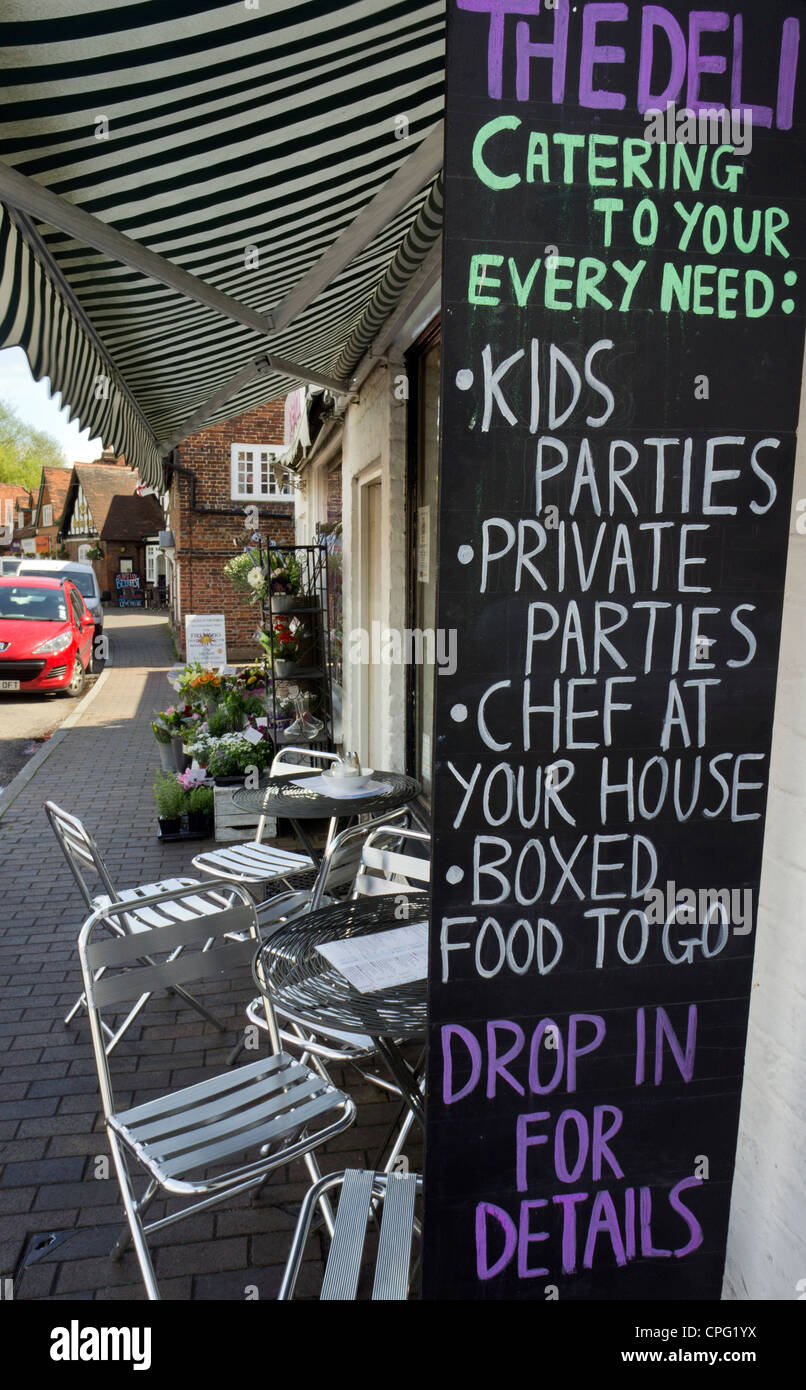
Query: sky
32, 401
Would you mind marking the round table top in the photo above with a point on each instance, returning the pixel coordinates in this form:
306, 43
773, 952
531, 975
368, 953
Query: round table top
279, 797
301, 980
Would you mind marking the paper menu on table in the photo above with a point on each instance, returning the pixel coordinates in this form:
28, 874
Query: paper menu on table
381, 959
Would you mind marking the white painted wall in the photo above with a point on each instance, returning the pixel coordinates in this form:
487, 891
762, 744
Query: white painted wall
767, 1239
374, 446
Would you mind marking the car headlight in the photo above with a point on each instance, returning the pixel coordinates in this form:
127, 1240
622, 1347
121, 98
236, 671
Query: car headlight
55, 644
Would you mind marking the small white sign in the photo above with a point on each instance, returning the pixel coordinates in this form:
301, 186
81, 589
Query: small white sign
206, 639
252, 735
423, 544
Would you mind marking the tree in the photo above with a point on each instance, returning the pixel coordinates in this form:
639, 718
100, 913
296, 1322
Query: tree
25, 450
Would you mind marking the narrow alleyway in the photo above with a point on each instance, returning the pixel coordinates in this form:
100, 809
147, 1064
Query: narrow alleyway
52, 1183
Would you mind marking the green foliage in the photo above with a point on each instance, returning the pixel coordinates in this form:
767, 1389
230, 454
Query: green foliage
200, 801
25, 451
170, 798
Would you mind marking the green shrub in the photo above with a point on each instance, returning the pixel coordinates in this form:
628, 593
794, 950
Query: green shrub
170, 798
200, 801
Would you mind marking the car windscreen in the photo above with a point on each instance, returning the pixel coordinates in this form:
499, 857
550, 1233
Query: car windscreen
83, 581
29, 601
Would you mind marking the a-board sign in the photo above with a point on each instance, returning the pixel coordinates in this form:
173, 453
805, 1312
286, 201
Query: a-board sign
129, 591
206, 638
623, 341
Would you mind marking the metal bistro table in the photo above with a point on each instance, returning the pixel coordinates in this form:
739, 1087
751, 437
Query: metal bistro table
279, 797
293, 974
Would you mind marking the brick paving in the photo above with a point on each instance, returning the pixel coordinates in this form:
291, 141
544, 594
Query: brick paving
52, 1144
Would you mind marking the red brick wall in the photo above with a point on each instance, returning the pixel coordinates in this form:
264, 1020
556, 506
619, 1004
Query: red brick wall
107, 568
211, 534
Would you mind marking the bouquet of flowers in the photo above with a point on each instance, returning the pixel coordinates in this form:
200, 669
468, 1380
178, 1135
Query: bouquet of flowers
282, 640
231, 754
246, 573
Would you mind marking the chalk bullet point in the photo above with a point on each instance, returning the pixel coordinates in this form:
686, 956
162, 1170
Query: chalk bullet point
464, 554
788, 305
459, 713
464, 379
454, 874
791, 277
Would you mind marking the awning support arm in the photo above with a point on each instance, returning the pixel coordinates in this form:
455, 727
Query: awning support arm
414, 174
26, 195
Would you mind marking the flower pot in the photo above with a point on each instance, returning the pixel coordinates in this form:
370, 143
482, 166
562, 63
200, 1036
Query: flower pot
283, 603
231, 780
166, 753
179, 755
170, 826
200, 822
284, 669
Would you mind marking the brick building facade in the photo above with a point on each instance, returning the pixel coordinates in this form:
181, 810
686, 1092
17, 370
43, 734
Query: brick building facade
216, 476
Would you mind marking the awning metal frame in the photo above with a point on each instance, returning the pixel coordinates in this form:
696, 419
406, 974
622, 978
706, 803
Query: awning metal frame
30, 199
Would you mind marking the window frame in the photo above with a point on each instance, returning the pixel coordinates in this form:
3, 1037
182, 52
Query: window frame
272, 492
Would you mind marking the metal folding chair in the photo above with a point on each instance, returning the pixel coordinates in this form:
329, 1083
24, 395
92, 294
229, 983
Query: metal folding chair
84, 859
221, 1136
361, 1194
253, 861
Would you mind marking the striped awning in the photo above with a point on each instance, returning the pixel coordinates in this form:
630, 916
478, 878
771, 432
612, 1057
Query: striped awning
247, 184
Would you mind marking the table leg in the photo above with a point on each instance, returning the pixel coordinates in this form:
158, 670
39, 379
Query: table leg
403, 1075
305, 842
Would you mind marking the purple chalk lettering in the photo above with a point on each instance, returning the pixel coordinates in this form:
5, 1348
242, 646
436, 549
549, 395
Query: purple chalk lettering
546, 1025
568, 1201
600, 1149
484, 1269
449, 1031
527, 1237
787, 71
525, 1141
498, 11
664, 1029
629, 1222
556, 51
690, 1219
640, 1046
648, 1251
574, 1051
593, 54
561, 1169
603, 1220
497, 1066
657, 17
700, 22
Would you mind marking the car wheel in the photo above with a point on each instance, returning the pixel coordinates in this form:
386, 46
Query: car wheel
76, 680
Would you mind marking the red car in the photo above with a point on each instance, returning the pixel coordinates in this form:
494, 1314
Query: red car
45, 635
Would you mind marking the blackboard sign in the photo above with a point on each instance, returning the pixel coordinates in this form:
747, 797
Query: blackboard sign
623, 340
128, 590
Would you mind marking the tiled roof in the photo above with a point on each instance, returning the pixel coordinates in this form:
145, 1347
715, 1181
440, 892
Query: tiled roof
57, 482
131, 519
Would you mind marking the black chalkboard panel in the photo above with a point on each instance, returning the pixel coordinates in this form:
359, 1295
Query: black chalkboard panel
623, 342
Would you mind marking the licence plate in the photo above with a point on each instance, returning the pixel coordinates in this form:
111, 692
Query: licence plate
9, 685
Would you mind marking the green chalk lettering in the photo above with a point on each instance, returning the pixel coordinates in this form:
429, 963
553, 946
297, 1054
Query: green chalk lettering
598, 162
674, 287
590, 274
690, 219
775, 221
703, 289
479, 279
555, 283
522, 288
480, 166
607, 206
752, 308
630, 278
724, 293
537, 156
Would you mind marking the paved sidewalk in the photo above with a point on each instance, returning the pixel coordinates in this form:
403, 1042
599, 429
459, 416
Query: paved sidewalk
52, 1178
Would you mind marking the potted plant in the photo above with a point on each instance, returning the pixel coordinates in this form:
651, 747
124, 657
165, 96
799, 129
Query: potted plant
284, 581
171, 800
162, 734
283, 642
200, 810
95, 552
228, 757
